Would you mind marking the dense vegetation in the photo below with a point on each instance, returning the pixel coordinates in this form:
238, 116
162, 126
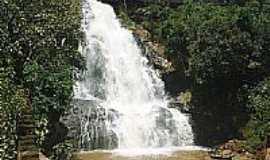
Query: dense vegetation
12, 100
223, 51
258, 126
38, 55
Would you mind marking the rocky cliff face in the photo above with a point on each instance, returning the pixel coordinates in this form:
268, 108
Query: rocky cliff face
175, 80
155, 52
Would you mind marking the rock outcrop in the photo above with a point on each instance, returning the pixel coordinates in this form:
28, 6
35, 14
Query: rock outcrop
93, 134
155, 52
233, 149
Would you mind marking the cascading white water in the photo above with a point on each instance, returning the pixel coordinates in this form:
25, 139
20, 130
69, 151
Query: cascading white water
120, 84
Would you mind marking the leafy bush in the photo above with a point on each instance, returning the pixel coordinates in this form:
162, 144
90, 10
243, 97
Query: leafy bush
63, 151
223, 50
39, 53
210, 41
11, 102
258, 127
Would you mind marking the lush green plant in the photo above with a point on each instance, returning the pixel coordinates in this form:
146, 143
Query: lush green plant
63, 150
258, 127
209, 41
125, 20
42, 46
39, 52
12, 100
223, 50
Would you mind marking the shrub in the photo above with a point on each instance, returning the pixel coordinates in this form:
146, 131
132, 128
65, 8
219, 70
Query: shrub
222, 50
12, 100
259, 125
39, 53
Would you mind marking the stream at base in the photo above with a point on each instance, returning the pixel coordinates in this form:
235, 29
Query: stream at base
176, 153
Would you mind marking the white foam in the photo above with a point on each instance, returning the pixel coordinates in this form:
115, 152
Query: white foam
156, 151
119, 76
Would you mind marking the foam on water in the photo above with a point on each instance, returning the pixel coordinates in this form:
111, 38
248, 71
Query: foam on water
156, 151
120, 81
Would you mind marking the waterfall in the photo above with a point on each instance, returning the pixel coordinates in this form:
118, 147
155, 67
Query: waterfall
122, 95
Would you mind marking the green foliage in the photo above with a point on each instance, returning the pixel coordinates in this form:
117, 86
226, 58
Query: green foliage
209, 41
11, 102
223, 50
42, 48
125, 20
258, 127
39, 52
63, 150
154, 18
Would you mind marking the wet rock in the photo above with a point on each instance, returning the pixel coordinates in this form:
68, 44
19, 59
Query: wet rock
174, 103
219, 154
164, 118
154, 51
233, 145
42, 157
233, 149
94, 134
113, 115
227, 152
